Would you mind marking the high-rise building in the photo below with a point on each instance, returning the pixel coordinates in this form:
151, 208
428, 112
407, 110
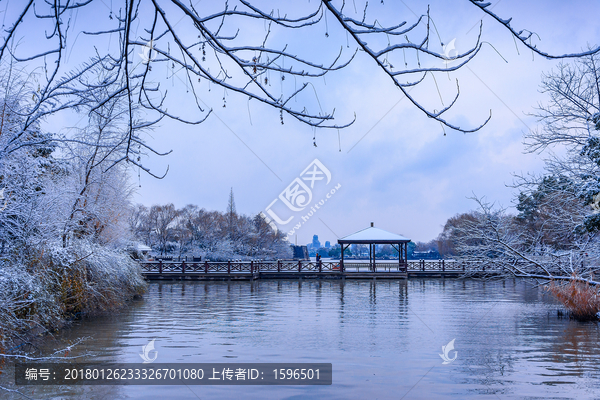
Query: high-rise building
327, 244
315, 243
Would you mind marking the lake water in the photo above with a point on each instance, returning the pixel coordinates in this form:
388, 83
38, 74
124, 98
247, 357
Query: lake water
382, 337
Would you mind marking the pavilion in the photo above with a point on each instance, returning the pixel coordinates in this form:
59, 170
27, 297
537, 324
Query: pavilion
373, 236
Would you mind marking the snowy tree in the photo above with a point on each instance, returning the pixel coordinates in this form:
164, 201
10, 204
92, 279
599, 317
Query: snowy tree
200, 229
492, 236
266, 242
98, 182
44, 279
231, 217
555, 235
571, 116
137, 218
570, 120
25, 159
569, 268
451, 235
162, 219
183, 233
553, 213
555, 232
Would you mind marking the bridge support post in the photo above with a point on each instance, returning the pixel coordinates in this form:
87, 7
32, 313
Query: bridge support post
251, 266
278, 265
443, 266
228, 266
299, 265
205, 267
320, 266
160, 267
183, 267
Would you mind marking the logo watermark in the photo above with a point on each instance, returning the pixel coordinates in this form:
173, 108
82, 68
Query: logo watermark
446, 352
298, 197
450, 52
146, 352
148, 52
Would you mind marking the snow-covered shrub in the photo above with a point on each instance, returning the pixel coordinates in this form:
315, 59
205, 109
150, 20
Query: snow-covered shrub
57, 283
90, 277
26, 302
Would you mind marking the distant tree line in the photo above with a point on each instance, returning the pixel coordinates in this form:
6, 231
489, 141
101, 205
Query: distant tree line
215, 235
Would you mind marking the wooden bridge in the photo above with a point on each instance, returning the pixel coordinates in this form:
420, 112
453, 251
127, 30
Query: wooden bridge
298, 269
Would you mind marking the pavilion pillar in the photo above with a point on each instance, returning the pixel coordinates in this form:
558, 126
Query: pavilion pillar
401, 253
404, 254
374, 263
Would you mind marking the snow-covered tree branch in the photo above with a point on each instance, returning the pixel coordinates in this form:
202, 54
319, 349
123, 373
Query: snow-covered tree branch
239, 46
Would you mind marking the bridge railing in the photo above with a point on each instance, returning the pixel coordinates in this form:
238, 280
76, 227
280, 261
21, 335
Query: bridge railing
237, 266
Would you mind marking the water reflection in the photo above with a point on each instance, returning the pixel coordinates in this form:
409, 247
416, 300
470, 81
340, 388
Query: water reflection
383, 338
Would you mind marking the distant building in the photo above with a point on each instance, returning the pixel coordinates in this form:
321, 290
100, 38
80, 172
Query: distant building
327, 244
315, 243
425, 255
300, 252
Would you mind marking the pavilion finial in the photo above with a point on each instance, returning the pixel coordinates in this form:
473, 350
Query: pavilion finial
372, 225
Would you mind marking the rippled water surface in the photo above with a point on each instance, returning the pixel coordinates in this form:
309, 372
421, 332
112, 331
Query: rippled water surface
382, 337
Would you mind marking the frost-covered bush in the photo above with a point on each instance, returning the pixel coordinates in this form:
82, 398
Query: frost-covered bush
26, 301
58, 283
91, 277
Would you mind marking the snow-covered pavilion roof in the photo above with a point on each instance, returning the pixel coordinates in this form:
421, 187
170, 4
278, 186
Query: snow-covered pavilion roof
373, 235
142, 247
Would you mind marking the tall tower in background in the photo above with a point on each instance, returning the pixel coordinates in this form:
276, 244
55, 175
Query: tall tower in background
315, 243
